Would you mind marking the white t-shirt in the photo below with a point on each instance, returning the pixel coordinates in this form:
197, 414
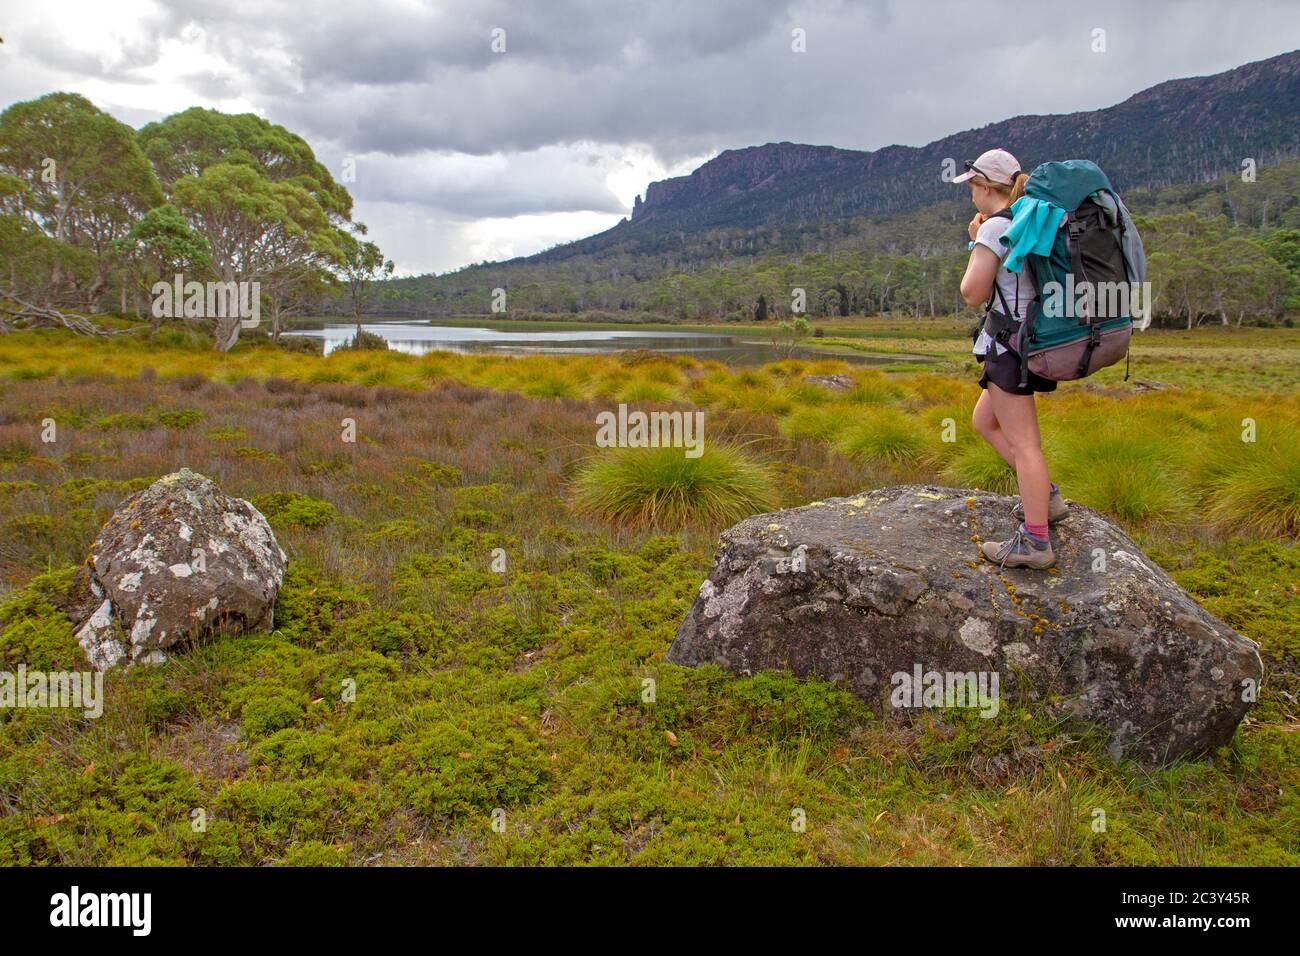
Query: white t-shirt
989, 234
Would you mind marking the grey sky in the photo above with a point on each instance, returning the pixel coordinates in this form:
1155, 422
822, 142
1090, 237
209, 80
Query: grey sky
462, 153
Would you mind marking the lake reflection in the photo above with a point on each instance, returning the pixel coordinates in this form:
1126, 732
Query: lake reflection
417, 338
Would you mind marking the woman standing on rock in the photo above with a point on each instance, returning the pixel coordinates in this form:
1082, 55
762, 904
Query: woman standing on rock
1006, 414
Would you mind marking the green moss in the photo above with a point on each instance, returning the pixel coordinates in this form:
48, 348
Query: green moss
19, 487
129, 421
82, 490
226, 433
154, 789
180, 417
249, 453
1251, 585
389, 632
310, 608
399, 529
273, 816
33, 628
475, 517
294, 508
439, 473
456, 577
266, 707
448, 772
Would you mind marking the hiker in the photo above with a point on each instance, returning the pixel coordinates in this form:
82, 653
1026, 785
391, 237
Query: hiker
1006, 414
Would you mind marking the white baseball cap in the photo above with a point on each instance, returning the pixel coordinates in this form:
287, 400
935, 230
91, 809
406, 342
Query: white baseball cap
996, 165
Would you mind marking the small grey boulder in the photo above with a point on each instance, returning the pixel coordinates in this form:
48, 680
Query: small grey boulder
176, 562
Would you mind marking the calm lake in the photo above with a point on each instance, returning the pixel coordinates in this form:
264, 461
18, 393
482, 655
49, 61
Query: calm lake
418, 338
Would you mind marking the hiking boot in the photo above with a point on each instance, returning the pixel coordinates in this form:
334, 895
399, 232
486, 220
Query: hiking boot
1019, 552
1057, 509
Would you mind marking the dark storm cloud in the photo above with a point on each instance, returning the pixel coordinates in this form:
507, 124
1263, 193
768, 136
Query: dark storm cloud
690, 76
443, 124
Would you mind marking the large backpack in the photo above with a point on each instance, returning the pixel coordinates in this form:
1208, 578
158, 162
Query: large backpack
1081, 317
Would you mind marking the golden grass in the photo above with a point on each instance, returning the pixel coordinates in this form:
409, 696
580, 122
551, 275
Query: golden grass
1172, 457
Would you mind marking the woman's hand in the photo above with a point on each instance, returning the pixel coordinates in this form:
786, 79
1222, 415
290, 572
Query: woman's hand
975, 224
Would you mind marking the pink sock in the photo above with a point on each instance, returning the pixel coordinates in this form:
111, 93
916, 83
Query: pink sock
1037, 530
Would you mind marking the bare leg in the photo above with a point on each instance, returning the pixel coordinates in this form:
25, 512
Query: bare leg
986, 423
1017, 417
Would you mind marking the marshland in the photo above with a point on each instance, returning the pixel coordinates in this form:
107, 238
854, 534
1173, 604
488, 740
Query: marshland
502, 589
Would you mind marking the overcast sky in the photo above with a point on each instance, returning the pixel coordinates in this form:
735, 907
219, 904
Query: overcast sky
464, 154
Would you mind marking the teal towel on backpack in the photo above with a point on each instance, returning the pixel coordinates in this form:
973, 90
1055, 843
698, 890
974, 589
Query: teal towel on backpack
1032, 231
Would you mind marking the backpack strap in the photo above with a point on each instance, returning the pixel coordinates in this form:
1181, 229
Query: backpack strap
1000, 297
1004, 213
1094, 339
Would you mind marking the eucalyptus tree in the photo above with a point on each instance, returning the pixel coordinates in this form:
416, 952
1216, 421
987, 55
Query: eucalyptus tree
86, 183
267, 209
361, 265
159, 245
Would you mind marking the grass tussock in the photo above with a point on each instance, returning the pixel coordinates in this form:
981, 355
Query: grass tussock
1262, 494
1130, 470
885, 436
662, 488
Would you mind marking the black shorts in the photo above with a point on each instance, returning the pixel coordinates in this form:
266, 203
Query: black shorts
1004, 372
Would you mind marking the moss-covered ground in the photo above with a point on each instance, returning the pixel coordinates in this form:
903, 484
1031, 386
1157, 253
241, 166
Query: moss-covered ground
420, 703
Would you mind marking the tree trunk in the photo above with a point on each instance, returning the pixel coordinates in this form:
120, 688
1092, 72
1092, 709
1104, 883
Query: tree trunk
227, 332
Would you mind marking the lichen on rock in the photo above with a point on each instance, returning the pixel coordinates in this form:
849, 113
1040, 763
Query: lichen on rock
177, 562
892, 578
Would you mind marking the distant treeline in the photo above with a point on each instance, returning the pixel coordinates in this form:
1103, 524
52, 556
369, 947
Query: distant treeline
1226, 251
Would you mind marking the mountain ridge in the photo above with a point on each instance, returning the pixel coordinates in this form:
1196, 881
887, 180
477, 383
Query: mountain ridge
1180, 130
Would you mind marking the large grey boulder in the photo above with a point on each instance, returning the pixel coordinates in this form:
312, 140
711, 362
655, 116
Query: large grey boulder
886, 591
177, 562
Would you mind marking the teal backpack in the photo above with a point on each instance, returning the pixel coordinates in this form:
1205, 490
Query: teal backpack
1081, 318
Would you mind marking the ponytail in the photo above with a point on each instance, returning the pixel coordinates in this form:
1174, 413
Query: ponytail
1018, 187
1013, 190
